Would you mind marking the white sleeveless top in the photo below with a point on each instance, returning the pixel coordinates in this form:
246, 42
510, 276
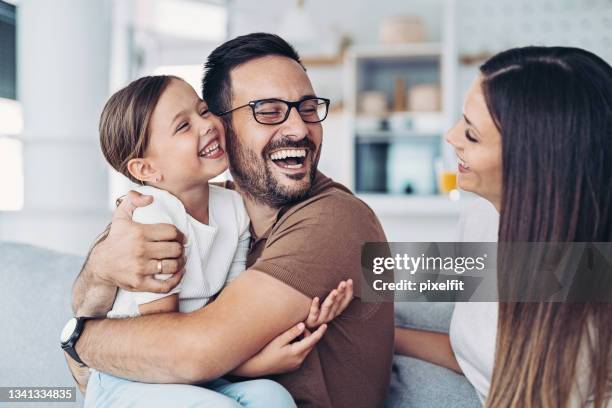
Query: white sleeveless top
473, 326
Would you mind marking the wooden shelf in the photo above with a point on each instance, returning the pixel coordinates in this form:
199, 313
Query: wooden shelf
396, 51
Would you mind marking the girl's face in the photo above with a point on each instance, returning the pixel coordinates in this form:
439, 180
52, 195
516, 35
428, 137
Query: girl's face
477, 143
187, 142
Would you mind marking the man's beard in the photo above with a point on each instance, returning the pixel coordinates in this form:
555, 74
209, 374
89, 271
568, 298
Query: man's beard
254, 177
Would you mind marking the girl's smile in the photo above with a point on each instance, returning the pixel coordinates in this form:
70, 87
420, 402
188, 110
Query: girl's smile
212, 150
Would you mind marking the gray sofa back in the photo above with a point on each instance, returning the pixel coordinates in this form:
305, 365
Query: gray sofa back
35, 293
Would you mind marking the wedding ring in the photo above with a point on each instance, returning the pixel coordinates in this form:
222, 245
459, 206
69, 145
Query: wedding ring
159, 266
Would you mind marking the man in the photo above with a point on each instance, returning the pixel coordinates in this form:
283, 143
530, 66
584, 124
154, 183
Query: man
307, 236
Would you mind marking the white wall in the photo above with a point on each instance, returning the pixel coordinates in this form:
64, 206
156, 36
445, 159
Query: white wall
63, 62
482, 27
359, 19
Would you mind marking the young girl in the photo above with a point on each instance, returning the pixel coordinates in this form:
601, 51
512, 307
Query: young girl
160, 134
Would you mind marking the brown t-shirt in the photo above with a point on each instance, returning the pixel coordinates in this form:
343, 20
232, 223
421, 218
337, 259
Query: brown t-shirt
312, 246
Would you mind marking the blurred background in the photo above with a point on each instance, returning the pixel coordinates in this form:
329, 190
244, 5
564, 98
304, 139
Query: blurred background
396, 72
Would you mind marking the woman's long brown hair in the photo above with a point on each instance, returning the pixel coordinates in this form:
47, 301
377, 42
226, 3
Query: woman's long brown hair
553, 108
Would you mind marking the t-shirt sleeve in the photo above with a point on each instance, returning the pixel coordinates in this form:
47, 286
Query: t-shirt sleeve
319, 244
238, 264
161, 211
239, 261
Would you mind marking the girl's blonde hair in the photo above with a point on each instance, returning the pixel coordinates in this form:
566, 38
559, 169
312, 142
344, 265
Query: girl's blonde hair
124, 123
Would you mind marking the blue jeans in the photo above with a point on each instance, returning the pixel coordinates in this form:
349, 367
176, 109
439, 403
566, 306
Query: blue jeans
105, 390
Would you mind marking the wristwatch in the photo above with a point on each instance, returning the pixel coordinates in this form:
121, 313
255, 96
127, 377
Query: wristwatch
70, 335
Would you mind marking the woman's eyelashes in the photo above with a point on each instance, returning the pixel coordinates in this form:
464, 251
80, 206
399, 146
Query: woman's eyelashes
468, 136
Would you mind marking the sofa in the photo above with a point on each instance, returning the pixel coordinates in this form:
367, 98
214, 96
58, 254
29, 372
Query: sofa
35, 293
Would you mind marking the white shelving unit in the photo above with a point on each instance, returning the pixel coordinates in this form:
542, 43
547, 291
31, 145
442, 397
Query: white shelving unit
426, 127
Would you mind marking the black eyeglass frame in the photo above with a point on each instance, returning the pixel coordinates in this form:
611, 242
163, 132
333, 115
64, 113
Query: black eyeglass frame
290, 105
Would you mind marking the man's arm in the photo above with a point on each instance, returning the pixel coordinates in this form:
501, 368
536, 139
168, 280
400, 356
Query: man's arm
91, 297
198, 346
126, 256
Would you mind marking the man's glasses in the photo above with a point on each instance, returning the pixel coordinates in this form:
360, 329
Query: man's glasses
276, 111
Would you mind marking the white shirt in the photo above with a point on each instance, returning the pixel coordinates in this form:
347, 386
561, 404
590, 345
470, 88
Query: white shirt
216, 253
473, 327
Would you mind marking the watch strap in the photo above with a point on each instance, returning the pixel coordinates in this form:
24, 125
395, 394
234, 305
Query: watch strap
69, 346
72, 353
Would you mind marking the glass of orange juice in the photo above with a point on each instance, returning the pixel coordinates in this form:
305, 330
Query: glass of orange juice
447, 181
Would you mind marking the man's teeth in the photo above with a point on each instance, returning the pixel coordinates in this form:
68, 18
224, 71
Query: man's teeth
283, 154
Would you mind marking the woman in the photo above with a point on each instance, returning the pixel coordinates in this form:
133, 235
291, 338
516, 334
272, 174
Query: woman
535, 141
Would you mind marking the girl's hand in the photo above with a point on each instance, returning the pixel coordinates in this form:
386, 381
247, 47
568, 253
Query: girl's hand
282, 355
335, 303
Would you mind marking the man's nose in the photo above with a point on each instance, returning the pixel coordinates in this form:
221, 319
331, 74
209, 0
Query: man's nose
294, 126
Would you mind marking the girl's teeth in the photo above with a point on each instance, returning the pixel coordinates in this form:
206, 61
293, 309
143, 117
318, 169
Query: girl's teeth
210, 152
210, 149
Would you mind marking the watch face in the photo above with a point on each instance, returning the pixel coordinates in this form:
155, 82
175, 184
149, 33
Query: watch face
68, 330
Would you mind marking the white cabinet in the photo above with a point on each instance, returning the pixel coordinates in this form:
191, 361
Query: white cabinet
399, 104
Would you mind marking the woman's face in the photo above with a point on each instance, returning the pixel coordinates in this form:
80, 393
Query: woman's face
477, 143
187, 143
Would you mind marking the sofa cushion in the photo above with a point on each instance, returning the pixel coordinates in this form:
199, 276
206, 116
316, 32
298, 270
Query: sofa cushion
416, 383
433, 316
35, 293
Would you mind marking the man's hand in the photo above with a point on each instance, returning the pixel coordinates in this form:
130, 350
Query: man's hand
282, 354
79, 373
334, 304
130, 255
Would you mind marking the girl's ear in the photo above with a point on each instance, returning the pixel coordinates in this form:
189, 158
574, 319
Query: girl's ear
142, 169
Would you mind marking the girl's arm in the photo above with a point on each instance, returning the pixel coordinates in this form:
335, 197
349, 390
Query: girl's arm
429, 346
165, 304
284, 354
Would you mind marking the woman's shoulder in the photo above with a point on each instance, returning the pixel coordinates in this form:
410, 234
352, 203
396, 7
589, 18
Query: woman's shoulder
478, 222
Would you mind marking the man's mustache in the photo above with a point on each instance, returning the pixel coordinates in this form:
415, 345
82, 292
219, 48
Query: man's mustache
289, 144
